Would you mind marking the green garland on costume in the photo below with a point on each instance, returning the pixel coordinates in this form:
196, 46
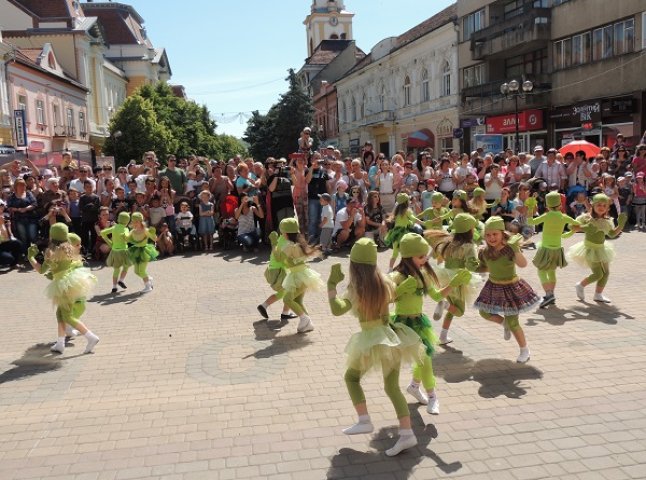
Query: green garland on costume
116, 237
141, 252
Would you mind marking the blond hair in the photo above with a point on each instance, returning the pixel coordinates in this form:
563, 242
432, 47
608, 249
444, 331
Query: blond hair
369, 291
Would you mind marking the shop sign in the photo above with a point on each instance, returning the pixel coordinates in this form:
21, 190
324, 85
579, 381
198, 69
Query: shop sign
36, 146
20, 126
577, 114
458, 133
619, 106
489, 143
527, 120
472, 122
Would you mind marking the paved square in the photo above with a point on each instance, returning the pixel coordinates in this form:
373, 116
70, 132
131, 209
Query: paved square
188, 383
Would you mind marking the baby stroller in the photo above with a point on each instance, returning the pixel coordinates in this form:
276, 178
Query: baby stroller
228, 227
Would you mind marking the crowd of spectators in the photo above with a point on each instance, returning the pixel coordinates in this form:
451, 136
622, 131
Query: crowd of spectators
337, 199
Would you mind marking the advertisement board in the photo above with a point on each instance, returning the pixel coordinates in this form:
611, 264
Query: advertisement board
489, 143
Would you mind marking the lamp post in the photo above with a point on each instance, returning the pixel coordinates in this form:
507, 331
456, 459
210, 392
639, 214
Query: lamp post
513, 90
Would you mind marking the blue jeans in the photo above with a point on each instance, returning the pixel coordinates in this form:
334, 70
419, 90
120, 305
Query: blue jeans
249, 240
26, 231
314, 209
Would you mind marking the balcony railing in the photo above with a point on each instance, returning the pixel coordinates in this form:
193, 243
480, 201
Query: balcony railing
542, 83
522, 30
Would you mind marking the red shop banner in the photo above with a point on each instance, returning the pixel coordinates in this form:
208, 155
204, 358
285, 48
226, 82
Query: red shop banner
527, 120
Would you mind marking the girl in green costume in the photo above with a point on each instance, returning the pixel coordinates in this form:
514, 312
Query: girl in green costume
141, 252
594, 252
435, 216
408, 310
504, 295
479, 205
116, 237
275, 275
403, 220
70, 284
549, 255
378, 345
299, 278
456, 251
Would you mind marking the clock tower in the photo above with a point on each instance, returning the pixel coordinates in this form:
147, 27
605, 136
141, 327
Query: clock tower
328, 20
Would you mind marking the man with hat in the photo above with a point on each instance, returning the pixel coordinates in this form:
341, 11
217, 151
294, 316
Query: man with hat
537, 159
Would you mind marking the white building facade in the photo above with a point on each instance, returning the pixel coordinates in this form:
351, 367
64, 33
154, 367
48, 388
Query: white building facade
404, 91
5, 112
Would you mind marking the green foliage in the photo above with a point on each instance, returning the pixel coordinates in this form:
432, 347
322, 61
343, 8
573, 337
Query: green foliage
188, 128
276, 133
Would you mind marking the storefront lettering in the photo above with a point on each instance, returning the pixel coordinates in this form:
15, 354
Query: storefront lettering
584, 112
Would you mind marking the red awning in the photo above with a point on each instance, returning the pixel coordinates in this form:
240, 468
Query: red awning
421, 139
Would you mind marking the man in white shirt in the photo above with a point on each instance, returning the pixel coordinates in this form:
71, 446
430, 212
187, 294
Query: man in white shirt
535, 162
349, 224
494, 181
77, 183
551, 170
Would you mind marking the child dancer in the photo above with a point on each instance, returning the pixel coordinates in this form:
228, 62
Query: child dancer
140, 251
378, 345
299, 277
116, 237
593, 251
408, 310
403, 220
505, 295
457, 251
479, 205
70, 284
549, 255
275, 275
434, 216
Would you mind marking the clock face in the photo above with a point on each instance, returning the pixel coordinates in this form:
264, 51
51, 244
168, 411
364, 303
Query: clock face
334, 21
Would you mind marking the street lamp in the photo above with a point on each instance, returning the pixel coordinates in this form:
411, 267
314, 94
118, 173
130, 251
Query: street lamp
512, 90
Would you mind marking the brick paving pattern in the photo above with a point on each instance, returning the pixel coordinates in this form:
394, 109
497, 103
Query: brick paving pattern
189, 383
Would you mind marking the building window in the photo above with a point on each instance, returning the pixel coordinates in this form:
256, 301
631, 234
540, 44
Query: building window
581, 48
425, 88
446, 144
624, 37
473, 76
22, 104
353, 110
407, 91
644, 30
445, 89
382, 99
55, 116
597, 44
40, 112
563, 54
472, 23
362, 107
343, 112
70, 122
82, 128
608, 41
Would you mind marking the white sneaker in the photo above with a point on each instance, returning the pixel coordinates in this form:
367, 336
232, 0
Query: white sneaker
403, 443
91, 343
70, 332
359, 428
433, 406
418, 394
599, 297
439, 310
524, 355
506, 334
150, 280
58, 348
305, 325
445, 339
580, 292
148, 288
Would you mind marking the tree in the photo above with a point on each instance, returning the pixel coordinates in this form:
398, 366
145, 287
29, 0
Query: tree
188, 128
276, 133
140, 131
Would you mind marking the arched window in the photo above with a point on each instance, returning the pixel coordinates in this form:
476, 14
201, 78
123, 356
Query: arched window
353, 109
425, 87
407, 91
445, 88
334, 36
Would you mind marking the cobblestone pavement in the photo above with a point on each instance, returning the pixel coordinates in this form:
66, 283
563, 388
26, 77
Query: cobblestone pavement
188, 383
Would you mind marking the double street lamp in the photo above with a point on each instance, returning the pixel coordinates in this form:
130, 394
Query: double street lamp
513, 90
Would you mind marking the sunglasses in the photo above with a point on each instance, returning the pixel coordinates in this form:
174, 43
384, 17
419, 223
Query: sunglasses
107, 168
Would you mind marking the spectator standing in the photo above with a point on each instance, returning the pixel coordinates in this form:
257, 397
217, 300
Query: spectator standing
494, 181
299, 193
317, 182
22, 207
538, 159
89, 205
280, 193
551, 170
176, 175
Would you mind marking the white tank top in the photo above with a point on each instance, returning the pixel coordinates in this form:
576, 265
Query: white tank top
386, 183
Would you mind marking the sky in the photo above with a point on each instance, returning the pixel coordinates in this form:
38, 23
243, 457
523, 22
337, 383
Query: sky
234, 55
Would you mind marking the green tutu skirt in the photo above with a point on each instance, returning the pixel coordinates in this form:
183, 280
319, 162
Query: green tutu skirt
302, 277
118, 259
587, 254
383, 347
394, 235
70, 286
275, 278
144, 254
466, 293
421, 325
549, 258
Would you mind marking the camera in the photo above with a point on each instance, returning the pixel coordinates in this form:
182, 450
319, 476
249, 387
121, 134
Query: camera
250, 203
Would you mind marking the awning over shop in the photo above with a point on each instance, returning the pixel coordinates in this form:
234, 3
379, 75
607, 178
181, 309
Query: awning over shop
421, 139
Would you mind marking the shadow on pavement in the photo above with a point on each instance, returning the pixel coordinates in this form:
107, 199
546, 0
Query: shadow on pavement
604, 313
496, 376
113, 298
350, 464
268, 330
37, 359
237, 255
